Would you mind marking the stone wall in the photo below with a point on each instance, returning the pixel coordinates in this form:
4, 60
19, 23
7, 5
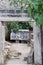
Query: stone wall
37, 45
2, 41
1, 45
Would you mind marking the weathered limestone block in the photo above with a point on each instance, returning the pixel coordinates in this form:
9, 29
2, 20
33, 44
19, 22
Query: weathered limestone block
1, 45
3, 33
37, 45
30, 57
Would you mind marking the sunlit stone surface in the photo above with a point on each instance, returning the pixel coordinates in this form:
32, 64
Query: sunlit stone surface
4, 4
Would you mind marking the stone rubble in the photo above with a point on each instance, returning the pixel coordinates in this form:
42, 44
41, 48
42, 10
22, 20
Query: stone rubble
16, 51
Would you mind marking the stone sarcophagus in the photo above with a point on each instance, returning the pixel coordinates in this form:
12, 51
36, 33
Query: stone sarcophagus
20, 35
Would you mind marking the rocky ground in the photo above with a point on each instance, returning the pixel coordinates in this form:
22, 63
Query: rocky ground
17, 53
16, 62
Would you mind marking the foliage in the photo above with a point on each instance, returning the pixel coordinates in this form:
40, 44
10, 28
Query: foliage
18, 25
34, 8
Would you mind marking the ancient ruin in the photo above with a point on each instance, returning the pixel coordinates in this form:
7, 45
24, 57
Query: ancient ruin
5, 16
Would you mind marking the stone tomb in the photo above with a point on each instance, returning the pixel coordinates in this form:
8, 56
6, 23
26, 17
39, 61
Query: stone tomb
37, 42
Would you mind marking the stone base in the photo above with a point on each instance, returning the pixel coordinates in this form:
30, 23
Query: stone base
38, 64
1, 64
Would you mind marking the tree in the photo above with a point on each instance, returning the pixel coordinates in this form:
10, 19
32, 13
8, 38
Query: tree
18, 25
34, 8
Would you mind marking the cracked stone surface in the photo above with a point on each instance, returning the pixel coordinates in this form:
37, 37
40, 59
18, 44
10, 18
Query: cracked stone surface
23, 49
16, 62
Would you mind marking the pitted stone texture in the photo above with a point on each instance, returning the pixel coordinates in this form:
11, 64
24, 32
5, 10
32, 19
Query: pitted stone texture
1, 45
37, 44
16, 62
